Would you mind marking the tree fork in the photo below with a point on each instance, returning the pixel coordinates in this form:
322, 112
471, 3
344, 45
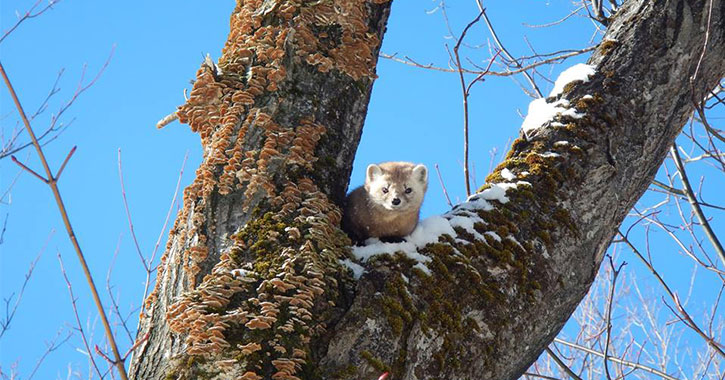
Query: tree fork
250, 286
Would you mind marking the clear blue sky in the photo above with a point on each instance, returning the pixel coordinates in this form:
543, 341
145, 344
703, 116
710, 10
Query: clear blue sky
415, 115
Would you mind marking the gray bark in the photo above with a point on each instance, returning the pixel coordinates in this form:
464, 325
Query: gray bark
489, 306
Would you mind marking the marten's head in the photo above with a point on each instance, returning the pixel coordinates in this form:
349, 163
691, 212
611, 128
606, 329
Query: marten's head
398, 186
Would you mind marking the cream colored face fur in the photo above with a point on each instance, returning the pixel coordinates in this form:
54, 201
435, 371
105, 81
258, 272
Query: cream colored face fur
397, 186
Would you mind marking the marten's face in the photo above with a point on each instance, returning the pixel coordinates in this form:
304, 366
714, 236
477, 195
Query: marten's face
399, 188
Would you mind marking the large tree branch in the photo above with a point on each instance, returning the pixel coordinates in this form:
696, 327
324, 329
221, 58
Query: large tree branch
250, 277
251, 284
509, 275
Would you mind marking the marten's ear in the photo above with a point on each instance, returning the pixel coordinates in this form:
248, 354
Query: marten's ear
420, 172
373, 172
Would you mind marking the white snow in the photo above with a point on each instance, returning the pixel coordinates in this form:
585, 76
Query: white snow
587, 97
549, 154
493, 235
497, 192
427, 231
422, 267
467, 224
580, 71
507, 175
541, 112
357, 270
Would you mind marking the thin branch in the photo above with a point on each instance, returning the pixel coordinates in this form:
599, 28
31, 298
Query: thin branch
561, 364
695, 206
67, 158
79, 326
28, 15
163, 229
10, 313
572, 13
109, 288
503, 49
128, 213
616, 359
523, 69
49, 348
52, 182
465, 99
610, 302
443, 186
29, 170
683, 315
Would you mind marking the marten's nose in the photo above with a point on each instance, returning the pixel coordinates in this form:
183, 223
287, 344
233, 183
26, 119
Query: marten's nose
396, 201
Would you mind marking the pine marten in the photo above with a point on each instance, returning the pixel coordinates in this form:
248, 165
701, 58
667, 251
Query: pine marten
387, 206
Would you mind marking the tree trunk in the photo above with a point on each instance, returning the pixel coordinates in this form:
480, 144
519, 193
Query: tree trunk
251, 285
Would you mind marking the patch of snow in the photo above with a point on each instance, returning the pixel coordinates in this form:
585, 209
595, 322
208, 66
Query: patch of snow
497, 192
561, 143
572, 113
549, 154
587, 97
580, 71
357, 269
513, 239
494, 235
467, 224
507, 175
422, 267
427, 231
540, 112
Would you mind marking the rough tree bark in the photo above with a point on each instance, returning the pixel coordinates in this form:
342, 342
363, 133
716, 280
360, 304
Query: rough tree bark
251, 285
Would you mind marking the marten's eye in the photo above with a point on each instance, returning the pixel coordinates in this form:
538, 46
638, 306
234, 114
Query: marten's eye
408, 190
385, 190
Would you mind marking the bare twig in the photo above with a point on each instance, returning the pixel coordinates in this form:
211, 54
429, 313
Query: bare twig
616, 360
610, 302
672, 190
161, 234
410, 62
28, 15
51, 346
79, 326
503, 49
53, 184
572, 13
465, 89
681, 312
562, 365
695, 206
10, 312
128, 213
443, 186
109, 288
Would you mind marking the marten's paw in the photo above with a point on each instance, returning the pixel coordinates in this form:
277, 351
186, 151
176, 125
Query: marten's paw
392, 239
